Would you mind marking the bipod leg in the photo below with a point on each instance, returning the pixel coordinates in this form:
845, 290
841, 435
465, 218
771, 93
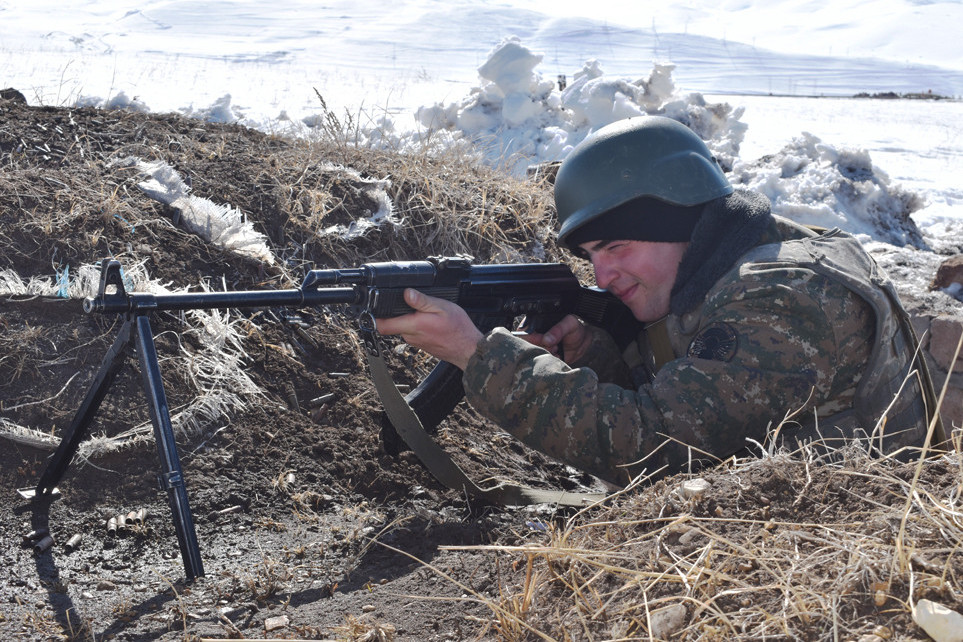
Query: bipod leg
171, 477
60, 460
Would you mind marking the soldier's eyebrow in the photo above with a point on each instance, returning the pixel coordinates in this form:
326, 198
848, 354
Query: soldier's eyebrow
600, 245
584, 253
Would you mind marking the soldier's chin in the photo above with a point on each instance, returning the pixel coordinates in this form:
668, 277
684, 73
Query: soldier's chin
646, 314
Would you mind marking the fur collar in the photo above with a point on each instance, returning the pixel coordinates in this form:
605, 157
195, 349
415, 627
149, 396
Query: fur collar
729, 227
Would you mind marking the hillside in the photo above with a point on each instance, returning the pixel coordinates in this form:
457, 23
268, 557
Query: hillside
308, 527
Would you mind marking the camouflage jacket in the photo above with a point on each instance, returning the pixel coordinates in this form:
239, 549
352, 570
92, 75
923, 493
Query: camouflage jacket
773, 339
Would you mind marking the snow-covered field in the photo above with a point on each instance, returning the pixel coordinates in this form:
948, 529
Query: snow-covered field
452, 68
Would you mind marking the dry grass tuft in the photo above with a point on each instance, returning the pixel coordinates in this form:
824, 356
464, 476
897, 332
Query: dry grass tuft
362, 630
445, 205
784, 547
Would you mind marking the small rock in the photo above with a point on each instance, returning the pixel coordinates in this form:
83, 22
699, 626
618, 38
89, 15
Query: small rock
949, 272
106, 585
691, 536
666, 621
940, 623
275, 623
367, 608
12, 94
694, 488
944, 339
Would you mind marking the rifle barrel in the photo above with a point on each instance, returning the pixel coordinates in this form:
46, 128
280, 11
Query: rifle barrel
143, 302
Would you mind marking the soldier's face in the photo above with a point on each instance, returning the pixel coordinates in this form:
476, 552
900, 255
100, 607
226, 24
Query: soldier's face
640, 273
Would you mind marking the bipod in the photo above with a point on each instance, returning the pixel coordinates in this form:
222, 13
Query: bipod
136, 329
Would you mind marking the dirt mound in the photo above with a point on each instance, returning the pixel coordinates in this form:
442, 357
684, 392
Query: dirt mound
304, 454
307, 527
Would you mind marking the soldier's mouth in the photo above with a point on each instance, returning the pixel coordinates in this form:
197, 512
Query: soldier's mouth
624, 295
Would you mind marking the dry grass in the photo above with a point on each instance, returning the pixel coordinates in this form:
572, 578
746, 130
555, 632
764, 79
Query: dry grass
810, 562
362, 630
448, 206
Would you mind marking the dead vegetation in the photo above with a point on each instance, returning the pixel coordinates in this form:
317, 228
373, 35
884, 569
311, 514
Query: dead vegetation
782, 547
308, 528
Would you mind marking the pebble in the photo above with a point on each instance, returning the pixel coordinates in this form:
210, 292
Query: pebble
274, 623
694, 488
667, 620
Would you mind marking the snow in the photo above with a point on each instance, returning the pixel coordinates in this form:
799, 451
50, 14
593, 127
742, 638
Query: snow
221, 225
769, 85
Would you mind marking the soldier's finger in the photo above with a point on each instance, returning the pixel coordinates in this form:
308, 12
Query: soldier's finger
557, 333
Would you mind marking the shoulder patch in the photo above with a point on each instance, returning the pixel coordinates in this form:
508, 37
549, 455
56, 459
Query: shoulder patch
718, 342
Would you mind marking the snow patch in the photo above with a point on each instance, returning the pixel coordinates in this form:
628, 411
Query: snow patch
222, 225
817, 184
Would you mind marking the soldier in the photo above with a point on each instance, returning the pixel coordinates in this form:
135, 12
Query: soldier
755, 328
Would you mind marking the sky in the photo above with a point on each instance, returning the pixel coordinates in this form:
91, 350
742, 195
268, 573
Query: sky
744, 72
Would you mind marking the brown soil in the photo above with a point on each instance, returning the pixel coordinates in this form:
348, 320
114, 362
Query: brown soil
308, 528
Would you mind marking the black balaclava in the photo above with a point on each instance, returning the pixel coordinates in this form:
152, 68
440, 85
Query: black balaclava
641, 219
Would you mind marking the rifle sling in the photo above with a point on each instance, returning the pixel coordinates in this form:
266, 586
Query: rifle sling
657, 334
436, 460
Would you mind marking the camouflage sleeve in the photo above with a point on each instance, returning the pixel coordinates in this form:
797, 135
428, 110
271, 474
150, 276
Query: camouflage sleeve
604, 358
560, 410
764, 352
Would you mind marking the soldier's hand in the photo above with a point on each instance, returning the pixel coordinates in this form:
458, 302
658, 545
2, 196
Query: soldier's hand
566, 339
439, 327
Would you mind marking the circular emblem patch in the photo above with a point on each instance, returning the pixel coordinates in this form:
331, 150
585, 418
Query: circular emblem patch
717, 342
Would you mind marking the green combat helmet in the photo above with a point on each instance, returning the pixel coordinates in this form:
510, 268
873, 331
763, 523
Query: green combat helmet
650, 156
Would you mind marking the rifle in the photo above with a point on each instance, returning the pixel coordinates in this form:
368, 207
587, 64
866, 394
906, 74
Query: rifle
493, 295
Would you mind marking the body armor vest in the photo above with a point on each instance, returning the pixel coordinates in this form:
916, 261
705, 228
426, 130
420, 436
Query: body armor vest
895, 400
